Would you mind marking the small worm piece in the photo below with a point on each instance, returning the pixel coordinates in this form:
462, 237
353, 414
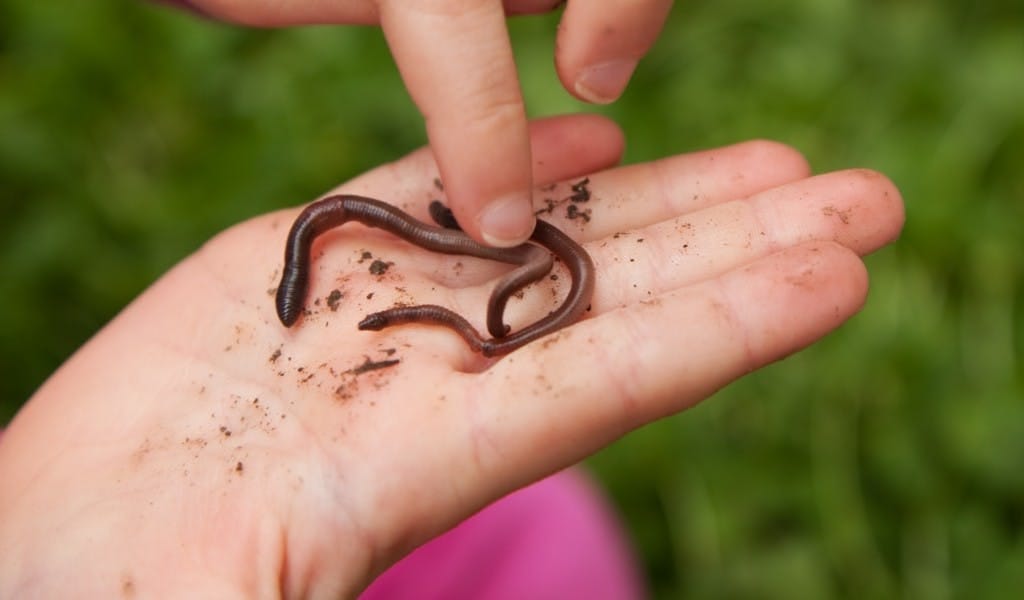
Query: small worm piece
334, 211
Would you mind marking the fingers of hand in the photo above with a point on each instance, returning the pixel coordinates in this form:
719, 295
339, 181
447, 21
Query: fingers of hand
598, 50
858, 209
629, 366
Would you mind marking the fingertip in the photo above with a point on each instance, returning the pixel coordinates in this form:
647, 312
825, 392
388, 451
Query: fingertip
597, 51
890, 202
609, 132
846, 273
787, 161
604, 83
507, 221
827, 271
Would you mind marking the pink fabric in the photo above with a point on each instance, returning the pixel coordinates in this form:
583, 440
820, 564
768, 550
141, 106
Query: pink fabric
555, 539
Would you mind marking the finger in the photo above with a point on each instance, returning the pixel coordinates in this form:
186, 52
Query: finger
598, 50
456, 60
606, 376
638, 195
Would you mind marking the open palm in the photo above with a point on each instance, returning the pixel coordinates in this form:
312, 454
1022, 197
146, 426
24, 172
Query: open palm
195, 441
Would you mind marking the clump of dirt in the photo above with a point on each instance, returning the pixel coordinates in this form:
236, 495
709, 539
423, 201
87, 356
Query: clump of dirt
379, 267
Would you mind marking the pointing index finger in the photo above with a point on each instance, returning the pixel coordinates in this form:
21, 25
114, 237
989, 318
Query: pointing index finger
456, 60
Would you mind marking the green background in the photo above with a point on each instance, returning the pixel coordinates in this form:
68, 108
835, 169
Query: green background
886, 461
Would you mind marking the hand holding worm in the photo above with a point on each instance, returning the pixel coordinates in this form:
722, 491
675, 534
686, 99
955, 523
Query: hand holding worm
209, 451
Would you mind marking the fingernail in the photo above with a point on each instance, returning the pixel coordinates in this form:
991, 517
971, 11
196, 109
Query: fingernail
507, 221
604, 83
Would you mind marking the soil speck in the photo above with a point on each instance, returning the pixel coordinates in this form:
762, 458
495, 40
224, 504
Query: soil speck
379, 267
333, 299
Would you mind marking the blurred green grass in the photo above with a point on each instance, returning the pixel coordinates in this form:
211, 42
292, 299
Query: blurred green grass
887, 461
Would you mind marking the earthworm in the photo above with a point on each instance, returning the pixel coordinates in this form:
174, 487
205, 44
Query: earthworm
534, 263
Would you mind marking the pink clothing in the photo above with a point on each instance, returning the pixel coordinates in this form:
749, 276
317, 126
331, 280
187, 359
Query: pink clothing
554, 539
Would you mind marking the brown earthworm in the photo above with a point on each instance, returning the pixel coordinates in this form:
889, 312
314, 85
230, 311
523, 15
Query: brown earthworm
534, 263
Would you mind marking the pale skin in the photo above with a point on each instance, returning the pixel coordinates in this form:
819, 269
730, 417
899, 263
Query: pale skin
196, 447
456, 59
